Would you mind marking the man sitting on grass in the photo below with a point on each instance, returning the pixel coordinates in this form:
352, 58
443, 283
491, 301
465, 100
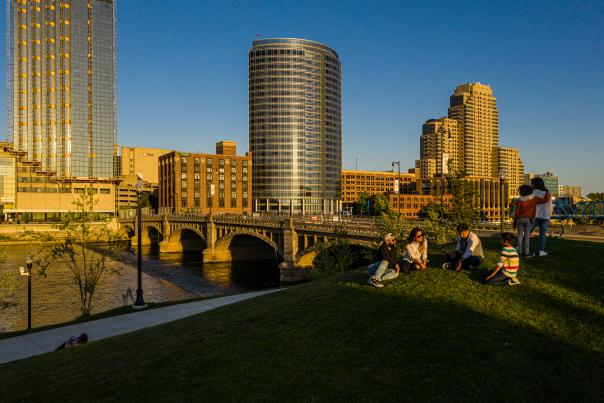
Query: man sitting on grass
508, 264
468, 251
385, 266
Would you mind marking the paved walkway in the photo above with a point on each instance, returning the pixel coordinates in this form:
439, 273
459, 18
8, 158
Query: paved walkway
19, 347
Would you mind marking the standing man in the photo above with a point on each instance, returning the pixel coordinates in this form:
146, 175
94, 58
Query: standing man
385, 266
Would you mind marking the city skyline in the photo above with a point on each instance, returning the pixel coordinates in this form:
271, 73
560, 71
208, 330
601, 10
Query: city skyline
544, 64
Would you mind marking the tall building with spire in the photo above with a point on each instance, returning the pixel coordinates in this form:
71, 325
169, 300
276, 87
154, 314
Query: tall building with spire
474, 108
62, 88
295, 126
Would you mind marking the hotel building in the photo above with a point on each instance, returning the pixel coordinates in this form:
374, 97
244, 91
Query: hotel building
61, 67
474, 108
204, 183
295, 126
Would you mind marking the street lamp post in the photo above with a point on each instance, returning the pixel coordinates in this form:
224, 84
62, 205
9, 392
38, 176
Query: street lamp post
398, 187
140, 302
29, 263
501, 199
444, 168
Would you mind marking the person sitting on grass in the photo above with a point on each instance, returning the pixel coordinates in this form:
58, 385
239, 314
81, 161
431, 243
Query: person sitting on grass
507, 267
416, 251
468, 251
73, 341
385, 266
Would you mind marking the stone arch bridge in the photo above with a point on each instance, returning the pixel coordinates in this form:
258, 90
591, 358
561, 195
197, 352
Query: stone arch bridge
224, 238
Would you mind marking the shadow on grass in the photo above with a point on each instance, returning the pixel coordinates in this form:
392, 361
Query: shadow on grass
330, 340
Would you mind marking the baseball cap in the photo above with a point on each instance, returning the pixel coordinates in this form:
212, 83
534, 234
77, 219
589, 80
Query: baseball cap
389, 236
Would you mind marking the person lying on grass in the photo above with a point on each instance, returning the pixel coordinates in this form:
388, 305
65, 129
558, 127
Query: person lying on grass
384, 266
416, 251
73, 341
508, 264
468, 251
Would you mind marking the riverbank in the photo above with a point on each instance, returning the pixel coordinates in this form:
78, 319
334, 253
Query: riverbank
170, 278
434, 335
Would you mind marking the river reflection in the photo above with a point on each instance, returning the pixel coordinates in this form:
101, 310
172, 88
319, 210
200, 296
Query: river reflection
170, 277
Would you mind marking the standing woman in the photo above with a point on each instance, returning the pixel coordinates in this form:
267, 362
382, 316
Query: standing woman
543, 214
416, 251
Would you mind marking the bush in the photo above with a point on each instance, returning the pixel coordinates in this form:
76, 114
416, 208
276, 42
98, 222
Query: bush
335, 255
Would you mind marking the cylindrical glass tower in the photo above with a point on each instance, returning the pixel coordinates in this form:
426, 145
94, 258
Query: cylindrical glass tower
295, 126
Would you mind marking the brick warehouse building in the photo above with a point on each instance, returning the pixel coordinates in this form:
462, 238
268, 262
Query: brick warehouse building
203, 183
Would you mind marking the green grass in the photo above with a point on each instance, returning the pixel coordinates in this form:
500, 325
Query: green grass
428, 336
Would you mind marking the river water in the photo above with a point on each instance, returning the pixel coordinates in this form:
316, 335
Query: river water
170, 277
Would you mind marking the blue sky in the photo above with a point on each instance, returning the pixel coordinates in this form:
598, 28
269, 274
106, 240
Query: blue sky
182, 73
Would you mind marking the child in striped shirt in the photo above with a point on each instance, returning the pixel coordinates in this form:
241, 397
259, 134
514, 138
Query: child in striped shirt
508, 264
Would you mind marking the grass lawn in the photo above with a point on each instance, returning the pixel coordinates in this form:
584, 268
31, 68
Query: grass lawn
435, 335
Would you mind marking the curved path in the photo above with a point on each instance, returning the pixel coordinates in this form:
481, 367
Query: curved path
19, 347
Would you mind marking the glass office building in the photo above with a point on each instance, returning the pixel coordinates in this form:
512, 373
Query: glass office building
61, 64
295, 126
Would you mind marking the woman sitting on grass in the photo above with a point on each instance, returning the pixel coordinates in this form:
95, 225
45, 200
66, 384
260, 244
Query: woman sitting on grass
416, 251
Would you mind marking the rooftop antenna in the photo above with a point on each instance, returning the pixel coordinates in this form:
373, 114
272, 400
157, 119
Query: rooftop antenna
356, 163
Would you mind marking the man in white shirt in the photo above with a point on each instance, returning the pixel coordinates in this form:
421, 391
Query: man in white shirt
468, 251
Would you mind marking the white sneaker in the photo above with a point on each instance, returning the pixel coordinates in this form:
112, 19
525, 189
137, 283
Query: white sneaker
542, 253
375, 283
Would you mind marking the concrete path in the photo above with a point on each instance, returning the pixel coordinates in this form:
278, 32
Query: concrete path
19, 347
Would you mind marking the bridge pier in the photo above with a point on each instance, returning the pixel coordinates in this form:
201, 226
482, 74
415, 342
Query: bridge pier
216, 256
166, 246
289, 272
145, 240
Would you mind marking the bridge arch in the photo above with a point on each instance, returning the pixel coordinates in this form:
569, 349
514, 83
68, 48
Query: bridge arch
244, 245
153, 234
184, 239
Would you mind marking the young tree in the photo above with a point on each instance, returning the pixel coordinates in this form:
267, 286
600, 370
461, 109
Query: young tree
390, 221
7, 283
599, 196
380, 204
360, 206
88, 246
335, 255
464, 201
437, 228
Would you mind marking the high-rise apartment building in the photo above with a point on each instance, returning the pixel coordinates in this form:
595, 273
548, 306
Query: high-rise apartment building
569, 191
441, 141
474, 108
508, 161
61, 65
295, 126
549, 180
427, 167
